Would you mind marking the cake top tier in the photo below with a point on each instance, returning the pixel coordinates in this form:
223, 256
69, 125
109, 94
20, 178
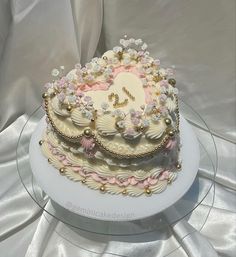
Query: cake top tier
124, 102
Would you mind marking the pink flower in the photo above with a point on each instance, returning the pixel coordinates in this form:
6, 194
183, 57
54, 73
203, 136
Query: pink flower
87, 143
164, 83
171, 144
164, 175
133, 181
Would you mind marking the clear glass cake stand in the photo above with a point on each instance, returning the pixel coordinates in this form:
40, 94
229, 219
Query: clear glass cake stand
185, 211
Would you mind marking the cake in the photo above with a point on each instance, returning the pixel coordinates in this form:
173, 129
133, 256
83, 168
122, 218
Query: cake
113, 125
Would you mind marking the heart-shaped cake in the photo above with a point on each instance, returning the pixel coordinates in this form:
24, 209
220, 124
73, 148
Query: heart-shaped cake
114, 123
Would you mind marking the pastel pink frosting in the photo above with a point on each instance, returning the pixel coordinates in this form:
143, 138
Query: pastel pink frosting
164, 175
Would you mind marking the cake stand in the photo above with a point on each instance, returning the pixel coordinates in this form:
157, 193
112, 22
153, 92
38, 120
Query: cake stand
201, 190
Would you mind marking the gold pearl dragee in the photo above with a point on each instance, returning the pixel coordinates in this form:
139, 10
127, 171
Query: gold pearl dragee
167, 121
148, 191
40, 142
87, 132
62, 170
69, 108
102, 188
178, 166
44, 95
124, 192
172, 82
49, 160
128, 93
171, 132
83, 181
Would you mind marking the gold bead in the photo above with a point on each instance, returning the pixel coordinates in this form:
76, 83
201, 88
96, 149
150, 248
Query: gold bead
169, 181
104, 58
102, 189
172, 82
179, 166
44, 95
124, 192
62, 170
49, 160
171, 133
54, 93
87, 132
40, 142
148, 191
168, 121
92, 119
69, 108
83, 181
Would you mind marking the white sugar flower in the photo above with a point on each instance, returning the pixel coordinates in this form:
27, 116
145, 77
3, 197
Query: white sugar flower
163, 90
138, 41
89, 66
125, 43
55, 72
122, 41
126, 60
156, 62
145, 123
121, 124
163, 72
88, 115
117, 49
96, 68
71, 98
131, 40
156, 117
175, 91
78, 66
132, 52
149, 70
95, 59
144, 47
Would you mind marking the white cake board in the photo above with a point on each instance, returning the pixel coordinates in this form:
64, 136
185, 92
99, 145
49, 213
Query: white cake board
81, 200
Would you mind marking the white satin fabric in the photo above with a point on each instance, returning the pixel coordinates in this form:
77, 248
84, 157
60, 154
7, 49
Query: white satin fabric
198, 37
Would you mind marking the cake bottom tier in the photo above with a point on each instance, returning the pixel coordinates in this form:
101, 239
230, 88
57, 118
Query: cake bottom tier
98, 175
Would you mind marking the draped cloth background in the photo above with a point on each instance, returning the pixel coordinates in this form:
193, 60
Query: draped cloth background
198, 37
